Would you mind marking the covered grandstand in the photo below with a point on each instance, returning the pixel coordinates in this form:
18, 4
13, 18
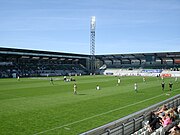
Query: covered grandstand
165, 60
28, 63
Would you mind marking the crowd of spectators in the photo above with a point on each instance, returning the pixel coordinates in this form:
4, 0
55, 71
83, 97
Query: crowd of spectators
168, 119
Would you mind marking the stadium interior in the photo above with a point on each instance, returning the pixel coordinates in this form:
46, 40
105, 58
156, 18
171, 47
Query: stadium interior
34, 63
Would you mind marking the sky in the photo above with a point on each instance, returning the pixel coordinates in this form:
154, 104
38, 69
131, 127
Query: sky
122, 26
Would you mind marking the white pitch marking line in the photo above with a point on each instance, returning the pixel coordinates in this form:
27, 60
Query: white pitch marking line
98, 115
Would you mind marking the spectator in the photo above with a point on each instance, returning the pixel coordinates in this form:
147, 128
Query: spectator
166, 120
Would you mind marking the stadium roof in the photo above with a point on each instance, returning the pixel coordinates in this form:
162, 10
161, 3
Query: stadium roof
26, 52
138, 56
133, 56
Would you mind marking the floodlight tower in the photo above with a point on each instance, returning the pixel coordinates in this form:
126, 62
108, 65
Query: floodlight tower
92, 43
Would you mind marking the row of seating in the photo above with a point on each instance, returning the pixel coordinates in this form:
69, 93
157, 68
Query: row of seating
33, 69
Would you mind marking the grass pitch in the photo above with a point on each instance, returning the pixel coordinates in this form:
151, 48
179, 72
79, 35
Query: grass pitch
34, 106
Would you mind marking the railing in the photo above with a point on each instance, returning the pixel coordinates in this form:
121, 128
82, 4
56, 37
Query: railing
131, 123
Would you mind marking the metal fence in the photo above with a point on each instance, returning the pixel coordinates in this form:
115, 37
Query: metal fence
131, 123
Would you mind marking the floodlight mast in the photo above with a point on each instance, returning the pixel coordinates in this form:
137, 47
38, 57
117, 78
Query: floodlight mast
92, 43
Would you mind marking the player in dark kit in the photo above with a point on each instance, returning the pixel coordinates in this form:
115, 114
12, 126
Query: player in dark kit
170, 85
163, 85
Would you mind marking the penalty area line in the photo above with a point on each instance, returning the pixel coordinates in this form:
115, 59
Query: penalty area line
75, 122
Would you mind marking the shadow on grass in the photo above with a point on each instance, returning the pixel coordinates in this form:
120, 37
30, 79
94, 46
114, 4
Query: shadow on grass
81, 94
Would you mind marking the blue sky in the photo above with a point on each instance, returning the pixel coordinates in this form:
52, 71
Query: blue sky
122, 26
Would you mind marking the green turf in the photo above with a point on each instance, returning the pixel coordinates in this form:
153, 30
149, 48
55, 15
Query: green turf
34, 106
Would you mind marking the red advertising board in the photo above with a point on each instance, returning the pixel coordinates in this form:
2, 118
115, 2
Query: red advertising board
166, 75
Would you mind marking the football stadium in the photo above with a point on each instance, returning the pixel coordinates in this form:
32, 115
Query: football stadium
134, 91
37, 92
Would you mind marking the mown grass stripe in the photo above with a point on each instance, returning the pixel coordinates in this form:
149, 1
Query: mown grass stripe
117, 109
